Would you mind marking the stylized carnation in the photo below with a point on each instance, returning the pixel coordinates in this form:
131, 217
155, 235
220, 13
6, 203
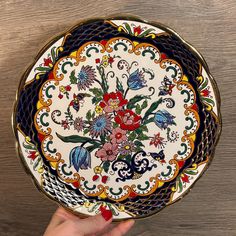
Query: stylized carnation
128, 120
108, 152
113, 102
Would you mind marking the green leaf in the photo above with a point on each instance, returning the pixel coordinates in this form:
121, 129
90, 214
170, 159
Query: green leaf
75, 139
106, 166
144, 105
146, 32
152, 108
73, 79
40, 68
143, 136
96, 91
53, 54
138, 109
190, 172
128, 28
115, 125
121, 156
93, 147
180, 185
89, 115
93, 115
138, 131
104, 83
119, 85
135, 100
148, 121
144, 128
96, 100
209, 100
102, 138
138, 143
86, 131
132, 136
128, 158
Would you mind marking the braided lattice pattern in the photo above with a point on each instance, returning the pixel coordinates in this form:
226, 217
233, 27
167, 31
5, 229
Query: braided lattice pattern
58, 191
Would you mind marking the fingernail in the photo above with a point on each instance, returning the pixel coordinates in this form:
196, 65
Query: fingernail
106, 214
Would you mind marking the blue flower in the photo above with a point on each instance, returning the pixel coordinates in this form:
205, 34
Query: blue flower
163, 119
80, 158
101, 125
136, 80
85, 77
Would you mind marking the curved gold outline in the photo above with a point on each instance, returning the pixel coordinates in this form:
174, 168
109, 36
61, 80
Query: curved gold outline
114, 17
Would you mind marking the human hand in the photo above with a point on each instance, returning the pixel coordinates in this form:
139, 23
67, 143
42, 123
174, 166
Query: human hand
64, 223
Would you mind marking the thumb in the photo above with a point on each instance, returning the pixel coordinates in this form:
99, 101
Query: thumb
94, 224
60, 216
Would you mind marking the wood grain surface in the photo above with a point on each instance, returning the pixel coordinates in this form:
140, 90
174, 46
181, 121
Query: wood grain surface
210, 25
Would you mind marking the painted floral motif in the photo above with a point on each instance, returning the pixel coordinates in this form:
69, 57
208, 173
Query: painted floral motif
108, 152
33, 155
48, 62
137, 30
163, 119
158, 141
128, 120
117, 119
205, 92
113, 102
185, 177
118, 135
100, 126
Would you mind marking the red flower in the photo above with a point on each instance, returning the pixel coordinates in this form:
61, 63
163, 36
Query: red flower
128, 120
65, 124
60, 96
118, 135
97, 60
137, 30
205, 92
110, 60
104, 179
103, 42
32, 155
113, 102
68, 88
185, 178
107, 152
157, 141
47, 61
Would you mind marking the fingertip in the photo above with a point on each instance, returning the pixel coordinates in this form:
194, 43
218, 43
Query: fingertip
128, 224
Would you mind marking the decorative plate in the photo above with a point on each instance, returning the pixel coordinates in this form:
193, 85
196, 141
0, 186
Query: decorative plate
117, 113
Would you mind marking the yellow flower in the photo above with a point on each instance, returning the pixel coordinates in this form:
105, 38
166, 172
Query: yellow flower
127, 147
98, 109
105, 58
105, 61
97, 169
62, 89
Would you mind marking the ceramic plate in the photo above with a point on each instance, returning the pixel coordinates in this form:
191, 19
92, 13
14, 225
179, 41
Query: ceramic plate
117, 113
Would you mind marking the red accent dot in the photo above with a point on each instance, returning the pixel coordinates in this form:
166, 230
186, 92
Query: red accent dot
76, 184
95, 177
103, 42
163, 56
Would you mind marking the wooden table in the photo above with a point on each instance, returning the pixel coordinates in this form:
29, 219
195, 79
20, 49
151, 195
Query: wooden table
210, 208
